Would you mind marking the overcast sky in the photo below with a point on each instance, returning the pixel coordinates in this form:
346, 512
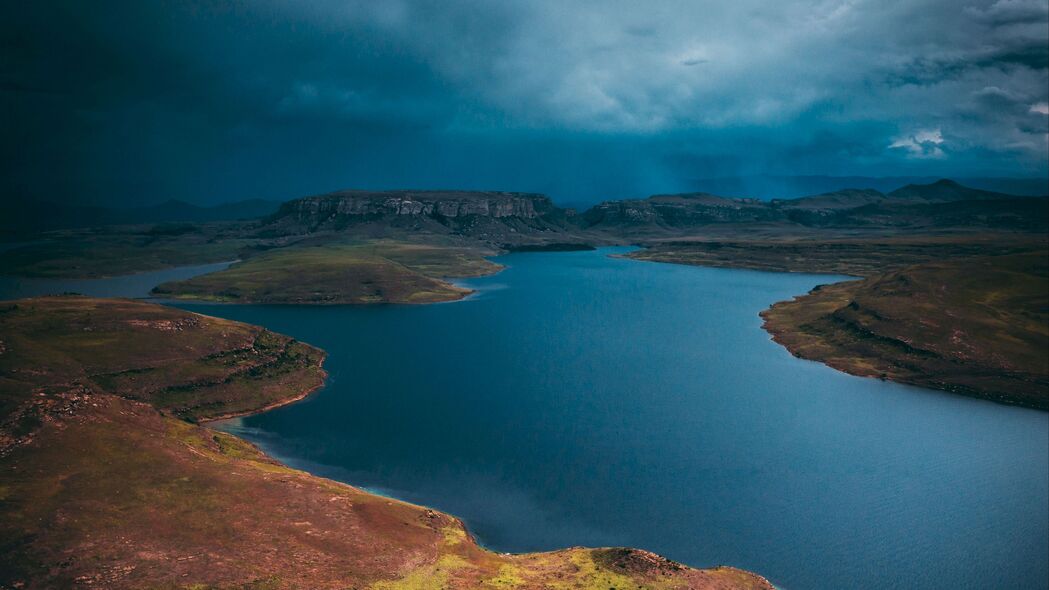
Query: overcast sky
140, 101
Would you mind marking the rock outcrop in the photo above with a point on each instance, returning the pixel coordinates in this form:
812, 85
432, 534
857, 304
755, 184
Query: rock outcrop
497, 217
450, 204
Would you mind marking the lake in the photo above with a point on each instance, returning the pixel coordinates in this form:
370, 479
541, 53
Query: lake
580, 399
133, 285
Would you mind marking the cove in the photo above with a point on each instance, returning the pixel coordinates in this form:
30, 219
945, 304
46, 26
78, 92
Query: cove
580, 399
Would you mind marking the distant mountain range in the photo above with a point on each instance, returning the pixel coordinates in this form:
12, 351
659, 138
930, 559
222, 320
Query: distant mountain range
939, 204
510, 218
25, 217
768, 187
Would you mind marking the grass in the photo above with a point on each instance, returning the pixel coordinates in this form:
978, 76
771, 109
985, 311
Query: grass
960, 312
977, 326
112, 484
58, 344
373, 272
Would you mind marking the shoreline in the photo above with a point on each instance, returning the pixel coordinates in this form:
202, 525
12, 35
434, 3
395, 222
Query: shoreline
842, 327
279, 403
462, 293
200, 505
657, 561
871, 353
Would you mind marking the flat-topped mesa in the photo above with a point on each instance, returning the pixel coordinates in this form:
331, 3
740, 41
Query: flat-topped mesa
361, 203
494, 216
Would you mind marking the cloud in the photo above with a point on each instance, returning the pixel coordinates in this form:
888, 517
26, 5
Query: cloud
274, 98
1006, 12
1040, 107
926, 143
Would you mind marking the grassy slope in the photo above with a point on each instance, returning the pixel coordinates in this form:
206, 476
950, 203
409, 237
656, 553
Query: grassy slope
977, 326
373, 272
101, 485
187, 365
962, 312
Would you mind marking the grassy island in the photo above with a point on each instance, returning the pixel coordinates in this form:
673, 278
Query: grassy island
380, 272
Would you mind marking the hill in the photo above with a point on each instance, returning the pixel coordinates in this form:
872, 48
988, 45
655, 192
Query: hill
976, 326
942, 204
770, 186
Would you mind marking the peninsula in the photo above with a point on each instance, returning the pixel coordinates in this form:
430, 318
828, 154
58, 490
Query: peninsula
110, 479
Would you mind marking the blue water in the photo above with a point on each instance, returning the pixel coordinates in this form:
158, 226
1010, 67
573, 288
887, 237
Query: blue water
587, 400
133, 285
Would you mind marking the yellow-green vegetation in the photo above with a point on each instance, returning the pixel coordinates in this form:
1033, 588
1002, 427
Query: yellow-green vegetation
103, 252
435, 260
102, 485
977, 326
372, 272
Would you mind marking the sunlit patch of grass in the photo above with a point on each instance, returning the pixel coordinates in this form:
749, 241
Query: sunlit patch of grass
433, 576
509, 576
589, 576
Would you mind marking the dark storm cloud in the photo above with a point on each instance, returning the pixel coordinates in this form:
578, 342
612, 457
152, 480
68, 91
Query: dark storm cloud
134, 100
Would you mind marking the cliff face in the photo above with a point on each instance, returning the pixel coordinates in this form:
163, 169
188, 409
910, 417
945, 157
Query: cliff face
498, 217
364, 204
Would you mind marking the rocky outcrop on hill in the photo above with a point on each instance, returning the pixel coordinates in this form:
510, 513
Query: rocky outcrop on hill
450, 204
497, 217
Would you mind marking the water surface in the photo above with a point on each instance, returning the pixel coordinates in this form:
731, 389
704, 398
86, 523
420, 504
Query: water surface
587, 400
133, 285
